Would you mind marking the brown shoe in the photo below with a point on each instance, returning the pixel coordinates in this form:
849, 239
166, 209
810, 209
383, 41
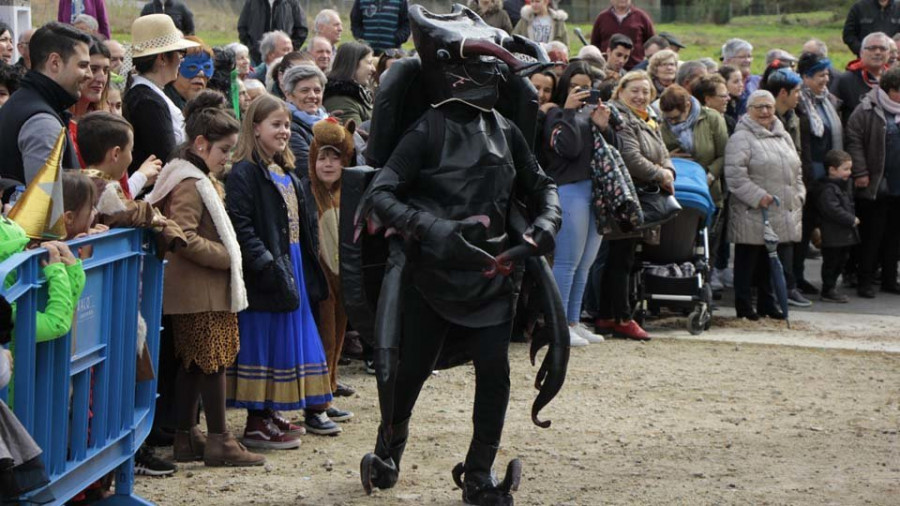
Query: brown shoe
223, 450
189, 445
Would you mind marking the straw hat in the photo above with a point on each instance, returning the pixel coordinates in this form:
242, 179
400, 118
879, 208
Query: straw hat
155, 34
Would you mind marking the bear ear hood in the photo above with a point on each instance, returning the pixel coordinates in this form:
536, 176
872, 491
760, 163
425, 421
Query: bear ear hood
330, 134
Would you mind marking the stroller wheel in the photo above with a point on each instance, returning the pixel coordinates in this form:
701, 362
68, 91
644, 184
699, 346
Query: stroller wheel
695, 322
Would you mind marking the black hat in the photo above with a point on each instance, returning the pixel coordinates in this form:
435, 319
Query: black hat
673, 40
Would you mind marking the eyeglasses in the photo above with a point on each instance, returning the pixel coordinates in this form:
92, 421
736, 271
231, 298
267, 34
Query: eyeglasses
726, 96
876, 48
763, 107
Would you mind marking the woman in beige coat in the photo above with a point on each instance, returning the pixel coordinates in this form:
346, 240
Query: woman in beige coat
647, 159
204, 285
763, 172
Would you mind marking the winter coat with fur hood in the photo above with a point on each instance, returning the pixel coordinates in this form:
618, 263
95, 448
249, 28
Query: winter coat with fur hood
760, 162
525, 26
494, 15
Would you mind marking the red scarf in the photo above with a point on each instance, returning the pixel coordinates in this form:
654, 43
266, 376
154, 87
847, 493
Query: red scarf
868, 78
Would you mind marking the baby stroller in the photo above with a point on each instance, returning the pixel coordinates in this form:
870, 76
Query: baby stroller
674, 274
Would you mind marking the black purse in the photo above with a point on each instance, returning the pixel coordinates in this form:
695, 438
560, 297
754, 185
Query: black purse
658, 206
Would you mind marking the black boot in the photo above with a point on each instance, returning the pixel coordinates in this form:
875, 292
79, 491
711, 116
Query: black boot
479, 486
381, 469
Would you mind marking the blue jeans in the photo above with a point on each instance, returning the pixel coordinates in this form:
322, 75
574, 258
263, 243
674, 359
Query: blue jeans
576, 246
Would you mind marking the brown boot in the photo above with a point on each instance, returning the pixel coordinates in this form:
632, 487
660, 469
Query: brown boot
224, 450
189, 446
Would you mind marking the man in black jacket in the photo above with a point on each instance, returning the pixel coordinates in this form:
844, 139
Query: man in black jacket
863, 74
869, 16
32, 118
179, 12
260, 16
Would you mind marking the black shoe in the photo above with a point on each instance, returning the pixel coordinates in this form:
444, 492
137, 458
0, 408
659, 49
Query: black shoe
850, 280
482, 490
807, 288
866, 292
832, 295
773, 313
343, 391
381, 469
750, 315
338, 415
148, 464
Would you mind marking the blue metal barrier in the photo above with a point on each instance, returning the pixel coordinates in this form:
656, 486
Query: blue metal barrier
54, 381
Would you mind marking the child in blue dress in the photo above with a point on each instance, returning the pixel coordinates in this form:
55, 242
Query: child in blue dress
281, 364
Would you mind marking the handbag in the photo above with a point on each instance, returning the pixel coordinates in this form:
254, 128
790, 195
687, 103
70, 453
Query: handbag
657, 205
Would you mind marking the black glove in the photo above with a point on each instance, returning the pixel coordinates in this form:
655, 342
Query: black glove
446, 242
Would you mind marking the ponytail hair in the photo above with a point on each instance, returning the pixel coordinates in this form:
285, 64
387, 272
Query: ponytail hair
207, 115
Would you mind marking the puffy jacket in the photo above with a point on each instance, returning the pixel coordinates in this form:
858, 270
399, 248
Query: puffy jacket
838, 217
866, 134
348, 100
557, 30
260, 219
867, 16
258, 17
710, 138
760, 162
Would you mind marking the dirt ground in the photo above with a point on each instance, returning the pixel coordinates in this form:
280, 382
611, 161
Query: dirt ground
671, 421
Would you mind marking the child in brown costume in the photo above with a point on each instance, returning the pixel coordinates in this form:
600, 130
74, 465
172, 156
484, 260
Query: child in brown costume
331, 150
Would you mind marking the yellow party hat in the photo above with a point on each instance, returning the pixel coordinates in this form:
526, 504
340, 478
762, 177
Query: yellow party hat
40, 209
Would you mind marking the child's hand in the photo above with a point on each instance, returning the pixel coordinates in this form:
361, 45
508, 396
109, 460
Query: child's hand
65, 254
52, 248
856, 222
150, 168
98, 229
159, 221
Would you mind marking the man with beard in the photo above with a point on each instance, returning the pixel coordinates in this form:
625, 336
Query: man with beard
60, 61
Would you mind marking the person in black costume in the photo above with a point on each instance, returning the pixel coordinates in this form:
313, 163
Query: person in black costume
447, 196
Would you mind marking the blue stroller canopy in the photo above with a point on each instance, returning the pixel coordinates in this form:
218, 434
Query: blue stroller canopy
691, 188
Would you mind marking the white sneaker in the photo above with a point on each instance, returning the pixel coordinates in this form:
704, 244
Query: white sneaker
727, 276
575, 340
586, 334
715, 280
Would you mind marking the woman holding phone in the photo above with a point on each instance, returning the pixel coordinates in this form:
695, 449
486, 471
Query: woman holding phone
568, 141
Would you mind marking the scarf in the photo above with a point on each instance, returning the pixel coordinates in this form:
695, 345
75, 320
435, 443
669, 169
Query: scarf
684, 131
812, 102
174, 111
177, 171
867, 77
307, 118
644, 115
888, 105
613, 196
